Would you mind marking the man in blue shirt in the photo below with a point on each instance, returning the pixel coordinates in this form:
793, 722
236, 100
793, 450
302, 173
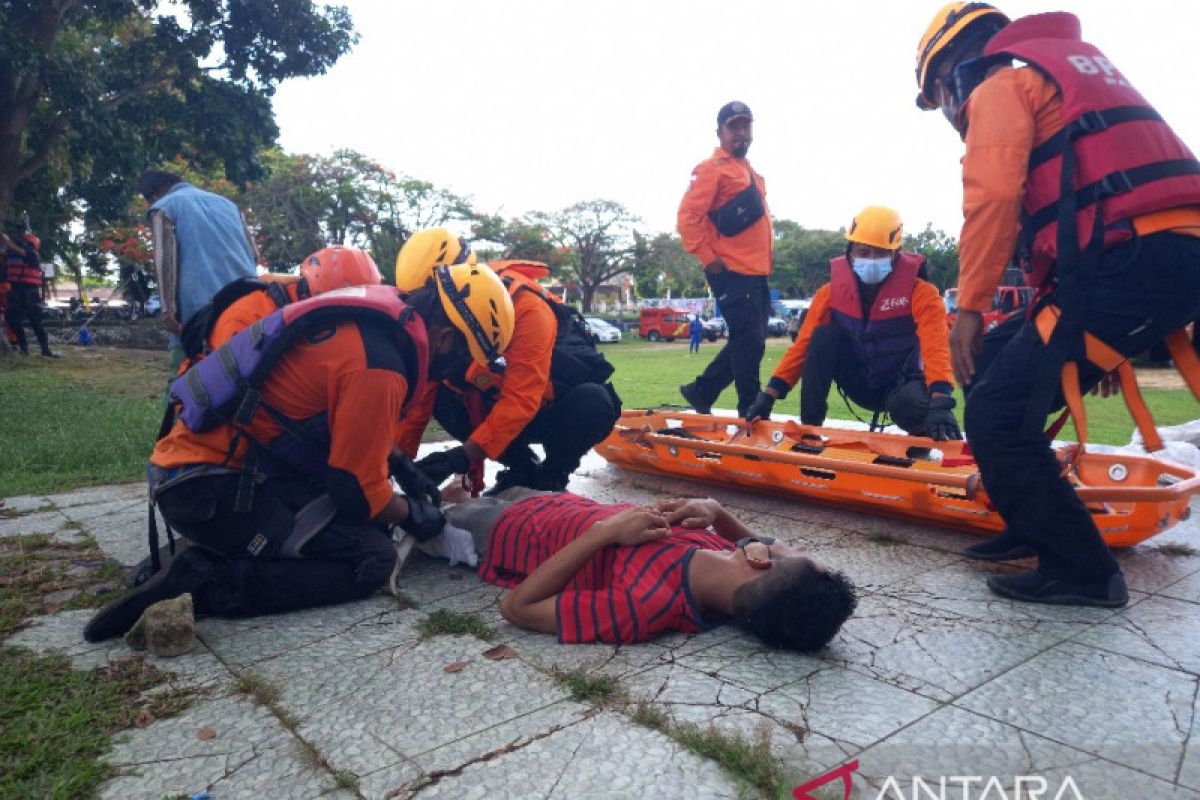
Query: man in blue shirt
201, 244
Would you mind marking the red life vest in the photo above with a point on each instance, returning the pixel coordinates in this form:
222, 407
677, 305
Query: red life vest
887, 337
19, 270
1127, 161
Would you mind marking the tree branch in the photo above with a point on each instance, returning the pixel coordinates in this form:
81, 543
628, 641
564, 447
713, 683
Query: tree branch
39, 155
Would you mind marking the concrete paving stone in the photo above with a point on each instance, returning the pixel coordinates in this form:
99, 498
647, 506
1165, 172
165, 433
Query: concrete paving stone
872, 567
1110, 705
1158, 629
409, 704
426, 580
1189, 769
243, 642
63, 633
477, 598
1187, 589
605, 756
954, 742
933, 651
545, 653
24, 504
409, 775
844, 705
250, 756
121, 505
49, 521
98, 494
675, 684
383, 635
961, 588
765, 670
1149, 569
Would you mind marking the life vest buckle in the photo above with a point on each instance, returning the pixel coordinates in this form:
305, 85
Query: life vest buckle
1114, 183
1092, 122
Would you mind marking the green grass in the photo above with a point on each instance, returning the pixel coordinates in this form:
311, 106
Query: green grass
445, 622
56, 722
650, 374
262, 691
88, 418
586, 688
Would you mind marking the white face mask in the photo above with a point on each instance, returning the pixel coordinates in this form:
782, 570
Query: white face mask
872, 270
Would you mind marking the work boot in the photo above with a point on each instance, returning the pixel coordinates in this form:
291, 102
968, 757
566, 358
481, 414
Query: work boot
1004, 546
550, 480
47, 353
189, 571
691, 393
1034, 587
145, 568
167, 629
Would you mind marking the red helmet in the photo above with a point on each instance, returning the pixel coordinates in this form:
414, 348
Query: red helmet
33, 240
338, 266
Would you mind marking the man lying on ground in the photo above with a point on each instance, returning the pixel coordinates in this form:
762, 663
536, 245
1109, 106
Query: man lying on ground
620, 573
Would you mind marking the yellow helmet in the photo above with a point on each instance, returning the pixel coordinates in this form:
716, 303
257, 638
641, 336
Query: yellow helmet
425, 250
877, 226
475, 300
947, 25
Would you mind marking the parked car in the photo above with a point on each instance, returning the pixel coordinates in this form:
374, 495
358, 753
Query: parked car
663, 323
776, 326
603, 331
55, 311
714, 328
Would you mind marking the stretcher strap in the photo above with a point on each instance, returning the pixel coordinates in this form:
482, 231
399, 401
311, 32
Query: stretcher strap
1185, 358
1107, 359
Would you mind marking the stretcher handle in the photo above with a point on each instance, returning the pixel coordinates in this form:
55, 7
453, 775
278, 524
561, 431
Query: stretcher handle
1140, 494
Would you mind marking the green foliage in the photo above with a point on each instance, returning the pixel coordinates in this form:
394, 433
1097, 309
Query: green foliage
598, 237
588, 688
662, 265
92, 93
801, 258
445, 622
941, 255
262, 691
497, 238
56, 722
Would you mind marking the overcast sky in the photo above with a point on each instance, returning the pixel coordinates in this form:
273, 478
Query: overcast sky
527, 105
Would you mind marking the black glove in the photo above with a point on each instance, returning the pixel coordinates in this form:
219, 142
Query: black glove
413, 482
761, 407
425, 519
940, 423
444, 463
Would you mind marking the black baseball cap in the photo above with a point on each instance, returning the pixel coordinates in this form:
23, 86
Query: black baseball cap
731, 110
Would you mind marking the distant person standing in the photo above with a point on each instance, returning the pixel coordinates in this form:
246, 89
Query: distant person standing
724, 221
695, 329
201, 244
23, 272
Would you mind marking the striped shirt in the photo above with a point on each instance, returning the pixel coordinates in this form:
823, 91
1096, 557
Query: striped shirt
623, 594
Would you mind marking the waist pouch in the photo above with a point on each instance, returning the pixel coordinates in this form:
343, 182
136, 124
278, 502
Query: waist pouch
740, 212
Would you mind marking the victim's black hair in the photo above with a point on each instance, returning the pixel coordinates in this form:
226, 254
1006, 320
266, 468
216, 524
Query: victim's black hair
795, 606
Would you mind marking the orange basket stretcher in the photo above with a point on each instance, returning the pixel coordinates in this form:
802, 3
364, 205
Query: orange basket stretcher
1131, 497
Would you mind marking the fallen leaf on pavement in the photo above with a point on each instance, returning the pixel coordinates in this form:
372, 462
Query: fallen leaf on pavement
204, 734
457, 666
499, 653
143, 718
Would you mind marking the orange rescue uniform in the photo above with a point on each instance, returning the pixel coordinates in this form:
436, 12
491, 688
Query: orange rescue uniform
332, 376
247, 310
715, 181
929, 313
523, 389
1022, 109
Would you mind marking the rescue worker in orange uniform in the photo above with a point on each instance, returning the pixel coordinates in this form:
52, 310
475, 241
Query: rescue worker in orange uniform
334, 267
281, 486
23, 273
878, 331
1117, 258
553, 389
724, 221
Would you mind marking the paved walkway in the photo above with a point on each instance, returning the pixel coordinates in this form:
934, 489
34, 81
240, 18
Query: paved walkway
933, 677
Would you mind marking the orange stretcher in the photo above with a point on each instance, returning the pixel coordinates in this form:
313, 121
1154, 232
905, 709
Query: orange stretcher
1131, 497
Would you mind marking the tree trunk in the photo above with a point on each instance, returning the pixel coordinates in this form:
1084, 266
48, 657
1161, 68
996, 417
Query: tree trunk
587, 294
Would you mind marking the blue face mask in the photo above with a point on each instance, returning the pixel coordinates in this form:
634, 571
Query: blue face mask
872, 270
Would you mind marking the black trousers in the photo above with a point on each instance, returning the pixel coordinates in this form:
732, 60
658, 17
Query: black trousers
567, 428
1141, 291
745, 302
25, 304
245, 573
831, 358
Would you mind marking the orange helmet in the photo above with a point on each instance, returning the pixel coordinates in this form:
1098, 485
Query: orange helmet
33, 240
338, 266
